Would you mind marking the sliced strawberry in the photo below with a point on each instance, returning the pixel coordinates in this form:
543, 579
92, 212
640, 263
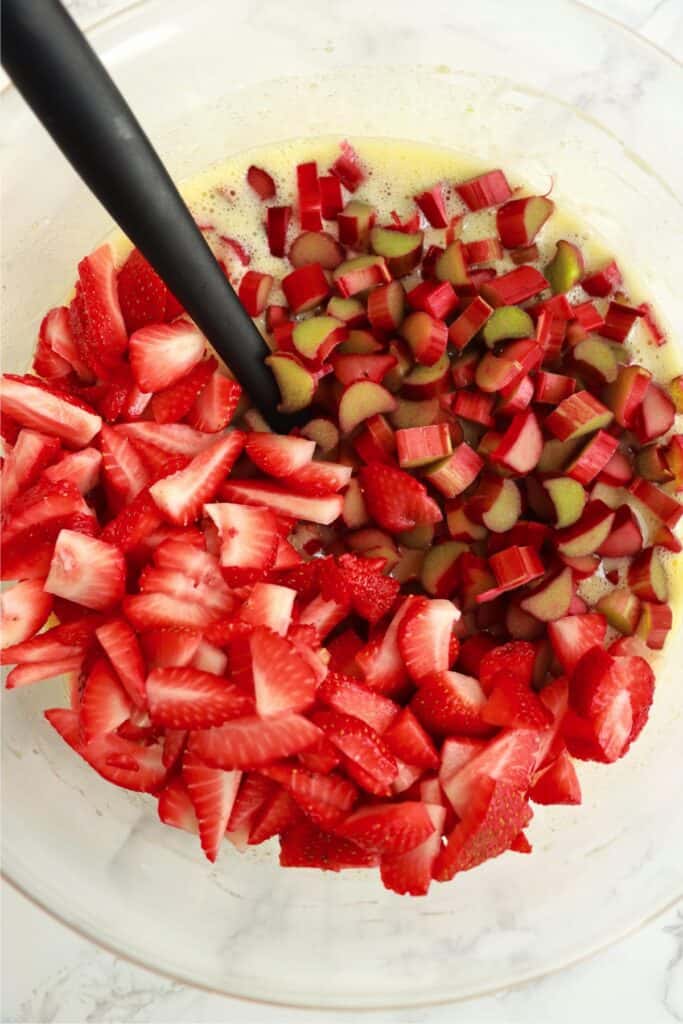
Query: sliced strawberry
278, 813
456, 752
395, 499
175, 402
424, 637
23, 466
278, 455
105, 705
82, 469
351, 697
342, 650
248, 539
361, 745
253, 792
388, 829
574, 635
449, 702
325, 799
199, 567
260, 493
303, 578
516, 658
175, 807
269, 605
283, 681
105, 337
558, 783
411, 872
210, 659
162, 354
123, 471
87, 571
174, 438
126, 763
155, 611
69, 640
513, 704
212, 792
65, 722
182, 495
56, 342
186, 698
133, 524
36, 672
319, 479
407, 740
509, 758
52, 412
471, 653
170, 648
359, 581
250, 742
24, 608
213, 409
305, 846
497, 814
142, 293
175, 741
380, 660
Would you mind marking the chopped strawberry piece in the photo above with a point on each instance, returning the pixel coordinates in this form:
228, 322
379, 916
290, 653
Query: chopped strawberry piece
351, 697
212, 792
278, 455
312, 510
325, 799
510, 757
515, 659
123, 470
278, 813
175, 402
162, 354
380, 660
396, 500
269, 605
24, 608
389, 829
448, 702
407, 740
306, 846
32, 404
283, 681
182, 495
105, 338
574, 635
514, 704
186, 698
125, 763
213, 409
86, 570
360, 582
105, 705
31, 454
261, 182
175, 807
250, 742
411, 872
142, 293
424, 637
558, 783
173, 438
133, 523
248, 539
121, 647
360, 744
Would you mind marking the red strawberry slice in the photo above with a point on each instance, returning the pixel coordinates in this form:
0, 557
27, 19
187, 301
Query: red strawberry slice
319, 479
303, 578
160, 464
106, 338
456, 752
342, 650
213, 409
65, 722
580, 737
325, 799
361, 745
407, 740
283, 681
161, 354
279, 813
256, 492
122, 468
322, 758
174, 438
186, 698
305, 846
252, 794
558, 783
411, 872
361, 582
142, 293
24, 608
212, 792
133, 524
36, 672
515, 659
47, 410
509, 758
574, 635
69, 640
513, 704
182, 495
210, 659
175, 741
175, 807
105, 705
248, 539
269, 605
32, 453
614, 694
125, 763
497, 814
380, 661
395, 499
87, 571
278, 455
177, 584
56, 337
250, 742
82, 469
170, 648
173, 403
47, 363
449, 702
351, 697
388, 829
154, 611
424, 637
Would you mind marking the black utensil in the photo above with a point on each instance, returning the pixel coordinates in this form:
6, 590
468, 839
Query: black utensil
61, 78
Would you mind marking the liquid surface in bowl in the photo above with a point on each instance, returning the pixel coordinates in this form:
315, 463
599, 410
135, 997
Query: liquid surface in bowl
457, 646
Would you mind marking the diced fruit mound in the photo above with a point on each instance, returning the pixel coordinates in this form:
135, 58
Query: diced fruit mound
368, 637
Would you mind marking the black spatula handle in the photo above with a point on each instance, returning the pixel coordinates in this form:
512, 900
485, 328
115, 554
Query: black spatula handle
63, 81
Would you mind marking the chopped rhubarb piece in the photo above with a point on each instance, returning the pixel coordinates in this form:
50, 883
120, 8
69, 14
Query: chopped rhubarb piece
625, 396
589, 532
471, 320
505, 323
520, 447
621, 608
426, 381
254, 290
277, 222
316, 247
305, 288
553, 388
401, 251
514, 287
331, 200
385, 307
261, 182
661, 504
490, 189
438, 298
360, 274
578, 415
362, 400
654, 624
377, 441
496, 503
473, 405
625, 538
619, 319
618, 472
603, 282
520, 220
354, 224
655, 332
588, 316
440, 571
426, 336
552, 599
514, 567
347, 167
295, 382
484, 250
433, 206
672, 454
516, 396
593, 458
568, 498
456, 473
652, 462
419, 446
450, 265
654, 416
566, 267
595, 361
309, 196
647, 577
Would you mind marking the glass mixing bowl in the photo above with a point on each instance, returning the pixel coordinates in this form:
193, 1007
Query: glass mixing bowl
548, 91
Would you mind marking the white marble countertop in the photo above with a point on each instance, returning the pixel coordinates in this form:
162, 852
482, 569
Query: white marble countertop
51, 974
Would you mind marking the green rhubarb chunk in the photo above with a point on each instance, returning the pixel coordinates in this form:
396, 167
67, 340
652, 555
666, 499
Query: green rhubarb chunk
568, 498
420, 537
552, 600
505, 323
414, 414
621, 608
555, 455
566, 267
438, 568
